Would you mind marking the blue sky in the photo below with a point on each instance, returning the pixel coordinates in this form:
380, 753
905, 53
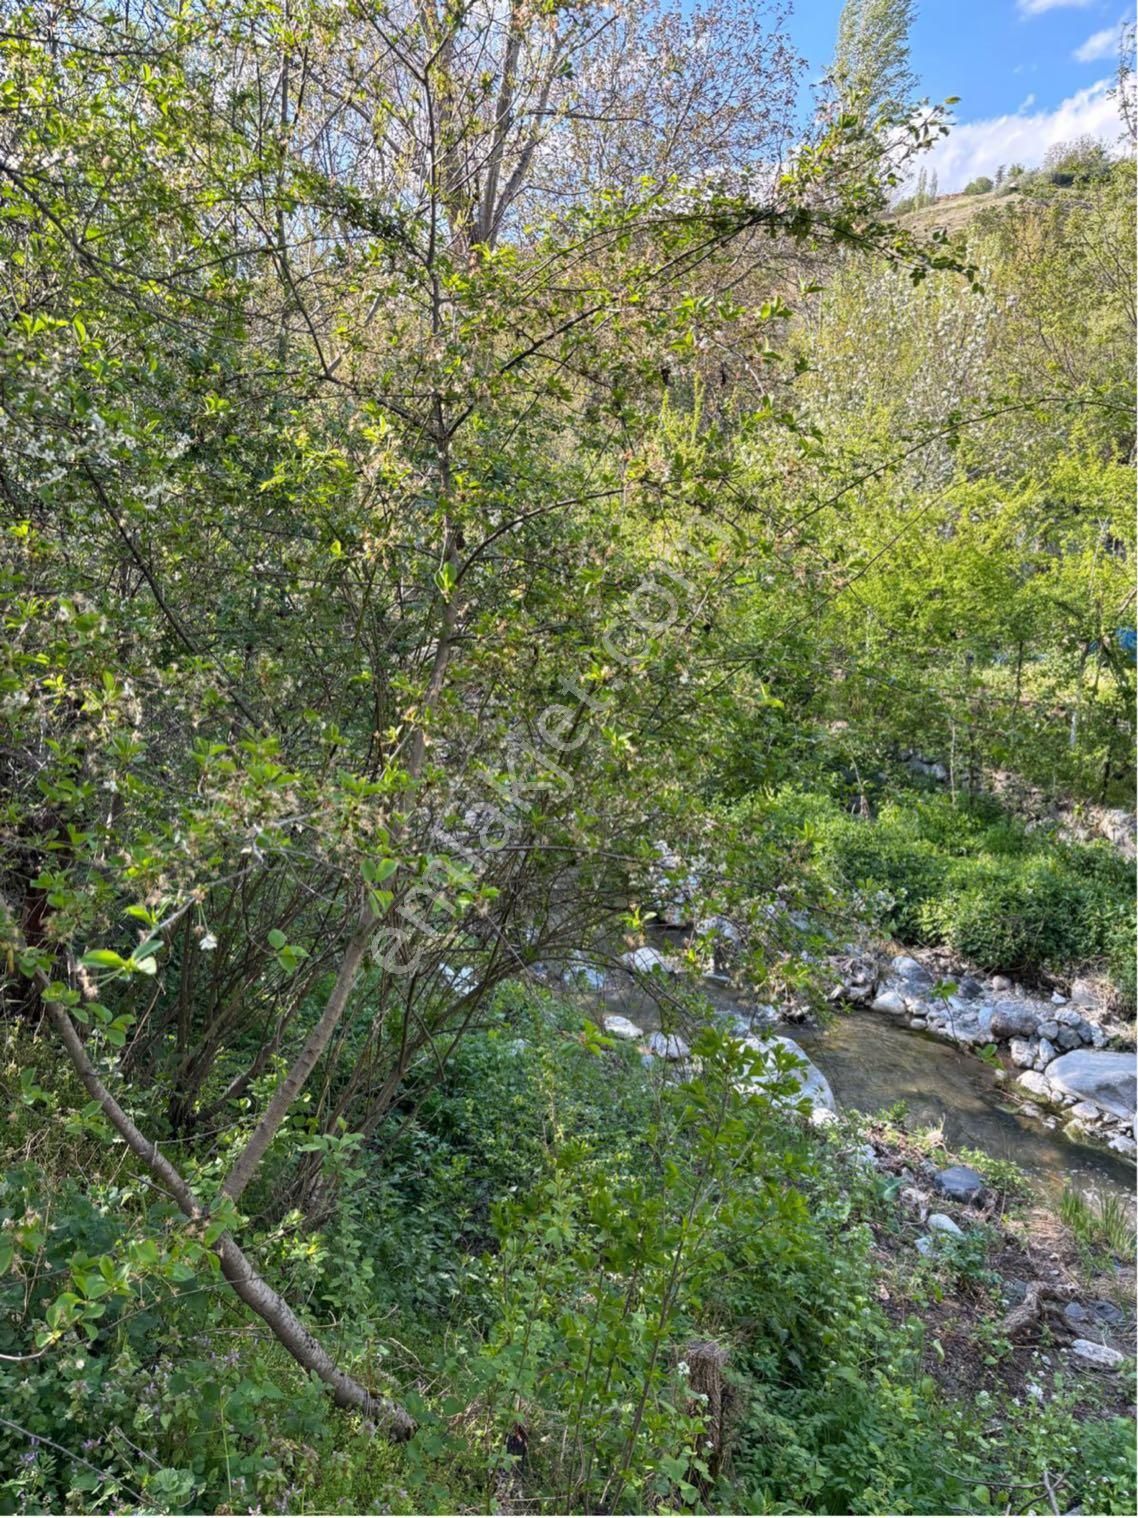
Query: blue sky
1028, 73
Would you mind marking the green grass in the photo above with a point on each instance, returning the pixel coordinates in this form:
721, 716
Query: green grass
1100, 1223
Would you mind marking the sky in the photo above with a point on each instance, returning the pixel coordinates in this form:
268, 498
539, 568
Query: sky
1029, 73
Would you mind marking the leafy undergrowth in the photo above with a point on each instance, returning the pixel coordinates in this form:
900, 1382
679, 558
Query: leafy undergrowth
966, 874
596, 1290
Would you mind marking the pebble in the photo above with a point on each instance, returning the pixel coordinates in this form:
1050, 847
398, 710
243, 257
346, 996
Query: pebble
940, 1222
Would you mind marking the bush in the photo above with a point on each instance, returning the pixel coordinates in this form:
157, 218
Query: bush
969, 875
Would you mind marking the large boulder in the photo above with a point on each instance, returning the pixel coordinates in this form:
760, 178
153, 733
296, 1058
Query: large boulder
1104, 1077
1012, 1019
917, 979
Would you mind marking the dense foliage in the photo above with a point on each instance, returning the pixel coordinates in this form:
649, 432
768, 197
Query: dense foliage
441, 456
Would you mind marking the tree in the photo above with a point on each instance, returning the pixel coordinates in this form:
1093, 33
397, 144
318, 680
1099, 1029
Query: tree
354, 481
871, 71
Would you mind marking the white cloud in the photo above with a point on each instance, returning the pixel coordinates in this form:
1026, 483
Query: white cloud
1037, 7
1025, 104
1098, 45
979, 147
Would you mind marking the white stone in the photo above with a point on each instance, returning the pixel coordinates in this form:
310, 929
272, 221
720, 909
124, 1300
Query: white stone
919, 1023
621, 1027
1023, 1052
1123, 1145
940, 1222
1105, 1077
891, 1002
644, 961
668, 1046
1086, 1112
1032, 1081
812, 1083
1047, 1053
1101, 1356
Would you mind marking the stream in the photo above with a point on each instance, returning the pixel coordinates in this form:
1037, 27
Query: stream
872, 1062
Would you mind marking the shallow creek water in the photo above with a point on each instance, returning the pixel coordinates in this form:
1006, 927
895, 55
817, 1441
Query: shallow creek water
872, 1062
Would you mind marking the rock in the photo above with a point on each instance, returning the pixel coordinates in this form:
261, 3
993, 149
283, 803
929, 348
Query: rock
1032, 1081
1023, 1052
1100, 1356
912, 972
1049, 1029
668, 1046
1047, 1052
859, 993
919, 1023
719, 927
1098, 1038
1070, 1017
864, 1155
1107, 1312
891, 1002
462, 980
582, 971
1000, 983
822, 1117
1083, 994
644, 961
620, 1027
1101, 1076
1057, 1000
940, 1222
1086, 1112
1029, 1109
812, 1083
1014, 1291
1123, 1145
960, 1183
970, 987
1011, 1019
1069, 1038
924, 1246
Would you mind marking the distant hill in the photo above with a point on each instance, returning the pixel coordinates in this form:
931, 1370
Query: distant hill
954, 212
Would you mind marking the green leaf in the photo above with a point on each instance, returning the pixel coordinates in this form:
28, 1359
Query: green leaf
102, 959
